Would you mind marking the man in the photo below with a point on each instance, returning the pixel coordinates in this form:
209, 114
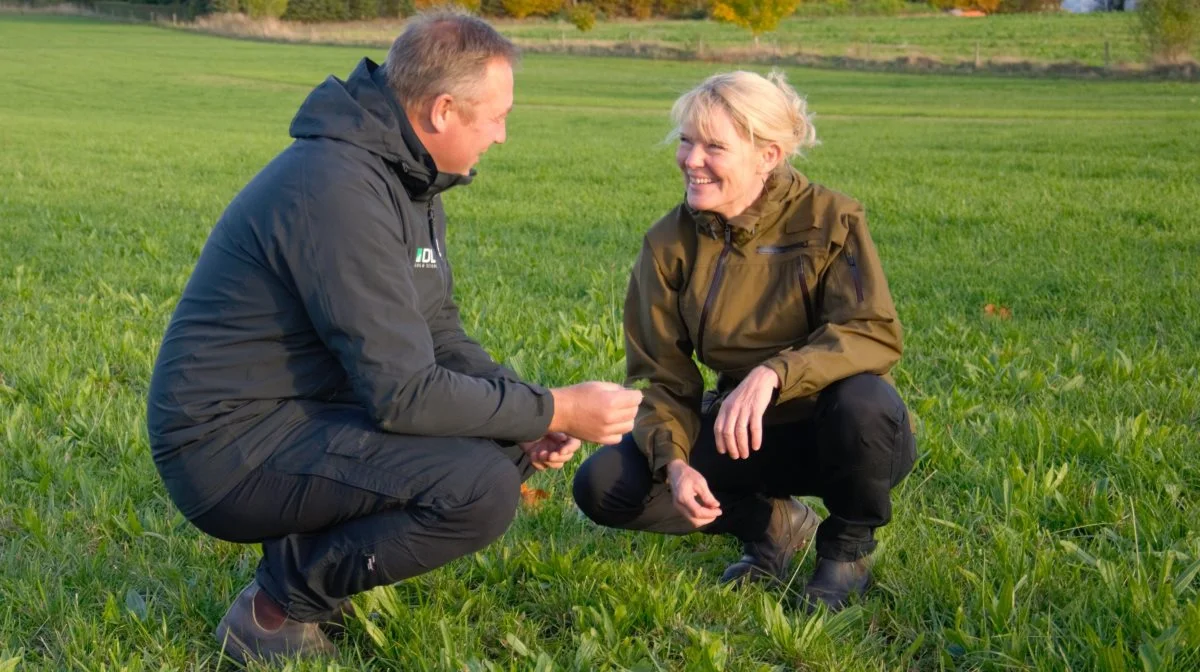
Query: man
315, 391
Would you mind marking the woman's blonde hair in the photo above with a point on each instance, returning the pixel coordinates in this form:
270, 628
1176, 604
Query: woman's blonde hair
763, 109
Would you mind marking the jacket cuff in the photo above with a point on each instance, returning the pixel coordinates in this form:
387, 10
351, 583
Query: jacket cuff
664, 453
782, 367
543, 402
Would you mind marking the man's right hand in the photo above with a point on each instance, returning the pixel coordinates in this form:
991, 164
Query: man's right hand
691, 494
595, 411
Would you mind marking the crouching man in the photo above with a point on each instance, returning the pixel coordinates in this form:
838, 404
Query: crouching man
315, 391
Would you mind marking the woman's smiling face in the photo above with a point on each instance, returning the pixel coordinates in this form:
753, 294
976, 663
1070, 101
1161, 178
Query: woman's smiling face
722, 170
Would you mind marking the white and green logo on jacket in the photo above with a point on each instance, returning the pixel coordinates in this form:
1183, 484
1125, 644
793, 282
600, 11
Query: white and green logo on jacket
425, 258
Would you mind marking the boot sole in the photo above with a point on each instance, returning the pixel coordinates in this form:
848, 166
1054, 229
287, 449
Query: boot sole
810, 604
231, 645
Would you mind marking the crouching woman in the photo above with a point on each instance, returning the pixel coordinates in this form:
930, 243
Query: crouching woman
772, 282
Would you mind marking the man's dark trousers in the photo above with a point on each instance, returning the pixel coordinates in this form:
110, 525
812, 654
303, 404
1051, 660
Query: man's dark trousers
341, 507
853, 448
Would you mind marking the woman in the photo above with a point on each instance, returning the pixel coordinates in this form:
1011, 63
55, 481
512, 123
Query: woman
772, 282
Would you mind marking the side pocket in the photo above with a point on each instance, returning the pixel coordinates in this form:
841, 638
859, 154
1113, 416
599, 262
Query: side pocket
904, 448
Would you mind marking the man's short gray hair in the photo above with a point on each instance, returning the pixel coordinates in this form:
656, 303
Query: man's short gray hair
443, 52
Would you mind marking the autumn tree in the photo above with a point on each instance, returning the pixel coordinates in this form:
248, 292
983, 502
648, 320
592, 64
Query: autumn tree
469, 5
1170, 27
757, 16
985, 6
519, 9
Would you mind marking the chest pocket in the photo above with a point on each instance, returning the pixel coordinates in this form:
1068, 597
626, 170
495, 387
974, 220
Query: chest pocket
795, 270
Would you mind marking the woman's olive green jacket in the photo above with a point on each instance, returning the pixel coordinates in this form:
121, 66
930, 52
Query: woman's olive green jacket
794, 283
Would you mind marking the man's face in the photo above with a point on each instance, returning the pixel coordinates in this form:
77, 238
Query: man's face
474, 125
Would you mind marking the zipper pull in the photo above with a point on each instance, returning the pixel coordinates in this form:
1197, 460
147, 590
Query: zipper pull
433, 236
854, 273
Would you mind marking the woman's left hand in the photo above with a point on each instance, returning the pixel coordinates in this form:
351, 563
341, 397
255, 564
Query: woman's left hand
738, 428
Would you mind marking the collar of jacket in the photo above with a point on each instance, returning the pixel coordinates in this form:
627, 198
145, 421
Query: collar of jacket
781, 188
363, 111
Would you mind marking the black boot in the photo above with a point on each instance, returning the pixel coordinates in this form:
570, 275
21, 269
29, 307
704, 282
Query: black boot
791, 525
834, 582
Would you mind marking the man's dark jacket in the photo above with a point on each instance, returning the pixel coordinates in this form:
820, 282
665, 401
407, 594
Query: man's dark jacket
326, 282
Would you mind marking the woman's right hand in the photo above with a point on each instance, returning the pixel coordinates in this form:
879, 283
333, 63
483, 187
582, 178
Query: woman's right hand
691, 494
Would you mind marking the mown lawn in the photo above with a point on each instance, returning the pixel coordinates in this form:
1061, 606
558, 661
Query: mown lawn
1050, 523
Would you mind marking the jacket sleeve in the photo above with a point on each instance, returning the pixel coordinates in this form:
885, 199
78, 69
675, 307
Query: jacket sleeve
858, 330
456, 351
348, 263
658, 351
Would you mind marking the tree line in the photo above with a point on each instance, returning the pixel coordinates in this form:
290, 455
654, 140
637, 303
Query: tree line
742, 12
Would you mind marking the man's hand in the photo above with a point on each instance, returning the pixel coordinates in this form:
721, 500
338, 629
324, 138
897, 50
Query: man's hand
738, 428
595, 411
691, 494
551, 451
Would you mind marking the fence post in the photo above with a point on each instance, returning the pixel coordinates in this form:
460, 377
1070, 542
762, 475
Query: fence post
978, 63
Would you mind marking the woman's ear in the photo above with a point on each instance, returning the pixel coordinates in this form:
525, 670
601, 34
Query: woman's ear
769, 158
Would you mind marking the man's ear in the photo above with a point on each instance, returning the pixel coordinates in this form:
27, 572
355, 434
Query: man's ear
439, 112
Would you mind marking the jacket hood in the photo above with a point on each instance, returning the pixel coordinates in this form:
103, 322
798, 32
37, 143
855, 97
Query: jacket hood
783, 186
363, 112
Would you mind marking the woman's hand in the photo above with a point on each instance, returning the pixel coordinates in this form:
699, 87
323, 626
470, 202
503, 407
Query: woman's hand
738, 428
552, 450
691, 494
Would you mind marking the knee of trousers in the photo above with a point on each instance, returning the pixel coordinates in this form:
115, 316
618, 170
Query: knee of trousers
493, 505
866, 403
594, 484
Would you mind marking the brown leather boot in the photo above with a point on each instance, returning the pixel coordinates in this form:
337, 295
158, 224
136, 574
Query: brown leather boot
791, 525
833, 584
244, 637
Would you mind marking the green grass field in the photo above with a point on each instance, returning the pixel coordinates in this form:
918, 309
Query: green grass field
1041, 38
1052, 521
1030, 37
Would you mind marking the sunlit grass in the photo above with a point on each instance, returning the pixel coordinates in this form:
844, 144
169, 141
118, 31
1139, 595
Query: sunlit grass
1050, 523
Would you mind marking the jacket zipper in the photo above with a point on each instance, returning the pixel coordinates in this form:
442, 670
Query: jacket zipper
437, 248
855, 273
713, 289
808, 306
780, 249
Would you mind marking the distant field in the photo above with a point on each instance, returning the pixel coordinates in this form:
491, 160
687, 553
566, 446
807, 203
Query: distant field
1060, 37
1051, 523
1044, 38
